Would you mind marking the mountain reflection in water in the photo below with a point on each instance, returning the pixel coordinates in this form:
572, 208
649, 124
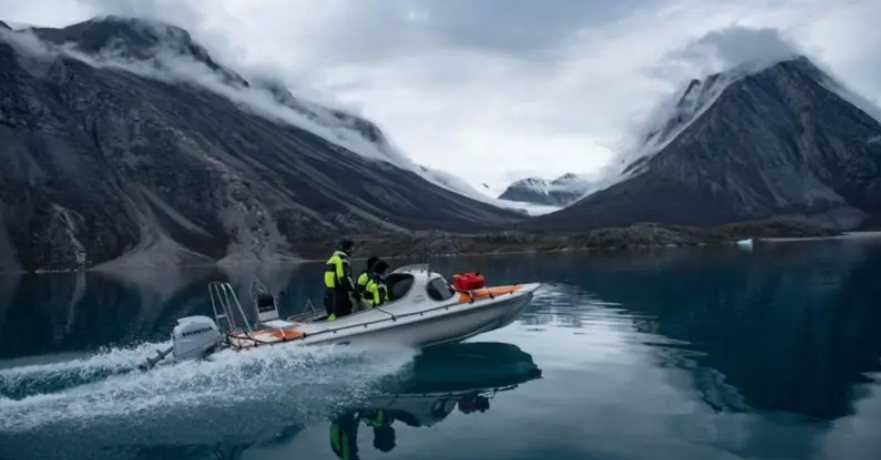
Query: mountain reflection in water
683, 353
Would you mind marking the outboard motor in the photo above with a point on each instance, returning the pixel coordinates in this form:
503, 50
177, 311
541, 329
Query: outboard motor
194, 337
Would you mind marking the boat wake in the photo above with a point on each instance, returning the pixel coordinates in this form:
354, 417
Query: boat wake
106, 389
33, 379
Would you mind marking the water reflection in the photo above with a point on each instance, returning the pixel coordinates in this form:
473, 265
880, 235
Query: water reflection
442, 379
63, 313
261, 401
789, 333
463, 377
792, 330
84, 311
767, 354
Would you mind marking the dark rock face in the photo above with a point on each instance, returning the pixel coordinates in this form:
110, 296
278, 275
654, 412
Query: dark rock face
558, 192
133, 39
638, 236
101, 164
776, 142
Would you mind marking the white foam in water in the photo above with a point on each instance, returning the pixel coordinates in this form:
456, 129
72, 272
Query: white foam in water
230, 379
30, 378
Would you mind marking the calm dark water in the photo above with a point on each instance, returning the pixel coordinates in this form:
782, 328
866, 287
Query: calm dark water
680, 354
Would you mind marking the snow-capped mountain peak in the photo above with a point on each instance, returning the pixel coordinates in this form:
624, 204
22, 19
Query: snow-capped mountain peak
673, 115
570, 182
741, 145
533, 184
557, 192
135, 40
162, 51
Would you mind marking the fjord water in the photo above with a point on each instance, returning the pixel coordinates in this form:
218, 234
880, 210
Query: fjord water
680, 353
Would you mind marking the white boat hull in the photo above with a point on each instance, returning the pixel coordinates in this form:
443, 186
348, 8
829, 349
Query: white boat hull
453, 324
423, 310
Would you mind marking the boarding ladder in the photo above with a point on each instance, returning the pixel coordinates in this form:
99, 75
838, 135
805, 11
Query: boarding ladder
224, 302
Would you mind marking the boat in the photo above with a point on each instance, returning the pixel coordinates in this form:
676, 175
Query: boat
424, 309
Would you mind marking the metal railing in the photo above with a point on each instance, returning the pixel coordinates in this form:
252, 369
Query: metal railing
222, 299
257, 288
310, 312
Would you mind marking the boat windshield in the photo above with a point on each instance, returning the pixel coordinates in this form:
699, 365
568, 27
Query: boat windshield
439, 289
399, 285
411, 268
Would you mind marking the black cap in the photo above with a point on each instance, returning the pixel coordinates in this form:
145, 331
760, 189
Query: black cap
346, 245
371, 262
380, 267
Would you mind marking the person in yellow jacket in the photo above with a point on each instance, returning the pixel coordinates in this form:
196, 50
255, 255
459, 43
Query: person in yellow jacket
364, 278
338, 282
376, 292
344, 432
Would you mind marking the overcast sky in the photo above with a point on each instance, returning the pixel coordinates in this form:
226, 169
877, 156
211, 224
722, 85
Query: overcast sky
493, 90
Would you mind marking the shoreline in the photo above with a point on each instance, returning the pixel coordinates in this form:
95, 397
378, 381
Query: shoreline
535, 249
863, 235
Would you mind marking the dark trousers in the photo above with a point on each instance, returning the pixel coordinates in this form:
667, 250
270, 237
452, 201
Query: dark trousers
337, 302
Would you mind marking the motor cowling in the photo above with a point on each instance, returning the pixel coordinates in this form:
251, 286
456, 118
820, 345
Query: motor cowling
194, 337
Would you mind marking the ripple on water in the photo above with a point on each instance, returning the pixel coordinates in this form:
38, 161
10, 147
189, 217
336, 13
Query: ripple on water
103, 387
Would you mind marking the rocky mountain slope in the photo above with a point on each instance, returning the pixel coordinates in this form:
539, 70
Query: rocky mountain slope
131, 144
558, 192
784, 139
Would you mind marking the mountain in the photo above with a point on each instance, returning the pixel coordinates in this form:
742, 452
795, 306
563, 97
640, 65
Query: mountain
561, 191
131, 145
528, 190
752, 143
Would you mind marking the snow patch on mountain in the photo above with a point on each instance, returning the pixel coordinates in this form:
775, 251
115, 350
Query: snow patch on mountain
167, 53
572, 183
456, 184
672, 116
559, 192
15, 25
532, 184
723, 57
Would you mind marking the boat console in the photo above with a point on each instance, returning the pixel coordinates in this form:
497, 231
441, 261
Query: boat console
265, 307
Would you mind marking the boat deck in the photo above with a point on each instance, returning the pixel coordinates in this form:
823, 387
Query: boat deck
270, 329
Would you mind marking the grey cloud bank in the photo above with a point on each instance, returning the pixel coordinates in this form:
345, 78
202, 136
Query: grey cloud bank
484, 88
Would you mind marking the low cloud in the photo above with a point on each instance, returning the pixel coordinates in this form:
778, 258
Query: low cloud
735, 46
486, 87
169, 65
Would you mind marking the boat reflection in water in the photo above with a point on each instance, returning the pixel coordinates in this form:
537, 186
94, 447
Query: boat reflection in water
461, 377
443, 379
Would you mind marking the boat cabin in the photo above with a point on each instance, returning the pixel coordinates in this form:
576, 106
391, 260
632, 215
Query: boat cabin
401, 284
